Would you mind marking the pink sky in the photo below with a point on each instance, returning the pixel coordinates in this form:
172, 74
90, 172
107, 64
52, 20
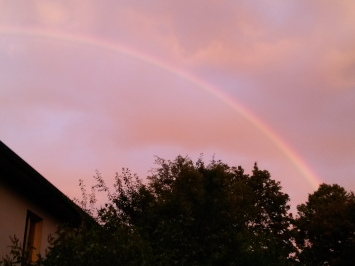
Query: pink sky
88, 85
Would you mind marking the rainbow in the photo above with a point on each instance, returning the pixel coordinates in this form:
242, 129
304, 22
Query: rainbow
296, 160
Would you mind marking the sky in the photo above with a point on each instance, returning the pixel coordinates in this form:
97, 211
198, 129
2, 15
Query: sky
103, 85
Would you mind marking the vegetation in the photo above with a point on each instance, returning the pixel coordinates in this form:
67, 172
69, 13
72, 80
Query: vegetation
325, 227
197, 214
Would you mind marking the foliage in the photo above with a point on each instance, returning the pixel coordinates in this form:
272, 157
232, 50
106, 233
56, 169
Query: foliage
325, 227
97, 245
18, 257
215, 214
195, 214
187, 214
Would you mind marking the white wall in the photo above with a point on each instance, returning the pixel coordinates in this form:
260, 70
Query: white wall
13, 212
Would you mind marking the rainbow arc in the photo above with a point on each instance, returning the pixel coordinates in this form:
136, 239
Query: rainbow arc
296, 160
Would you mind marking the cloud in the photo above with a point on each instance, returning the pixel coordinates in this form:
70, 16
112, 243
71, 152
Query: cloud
292, 63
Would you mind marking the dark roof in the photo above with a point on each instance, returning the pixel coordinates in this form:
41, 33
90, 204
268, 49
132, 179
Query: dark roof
21, 177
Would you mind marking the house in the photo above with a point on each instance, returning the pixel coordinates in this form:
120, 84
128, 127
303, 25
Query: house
30, 206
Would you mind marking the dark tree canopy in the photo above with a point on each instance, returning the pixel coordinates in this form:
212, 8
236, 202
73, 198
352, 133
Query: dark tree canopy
195, 214
325, 227
209, 215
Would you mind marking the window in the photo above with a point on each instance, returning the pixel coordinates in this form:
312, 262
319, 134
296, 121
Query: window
33, 234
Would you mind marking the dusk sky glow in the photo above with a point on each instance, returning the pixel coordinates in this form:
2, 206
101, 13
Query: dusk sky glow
101, 85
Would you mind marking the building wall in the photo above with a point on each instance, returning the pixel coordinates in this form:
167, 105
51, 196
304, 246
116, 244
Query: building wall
13, 213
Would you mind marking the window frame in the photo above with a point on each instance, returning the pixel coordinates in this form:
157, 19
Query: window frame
32, 236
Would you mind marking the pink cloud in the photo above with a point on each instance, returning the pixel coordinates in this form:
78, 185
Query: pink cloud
71, 108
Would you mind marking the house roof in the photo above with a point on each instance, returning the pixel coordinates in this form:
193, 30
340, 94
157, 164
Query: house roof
21, 177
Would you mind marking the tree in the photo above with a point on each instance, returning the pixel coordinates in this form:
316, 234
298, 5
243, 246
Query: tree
325, 227
187, 214
193, 214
